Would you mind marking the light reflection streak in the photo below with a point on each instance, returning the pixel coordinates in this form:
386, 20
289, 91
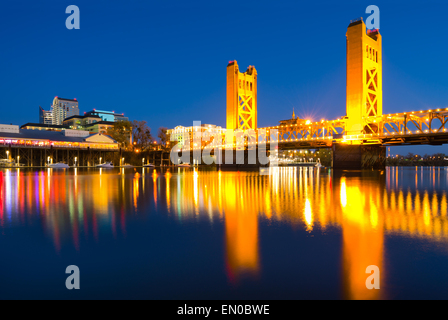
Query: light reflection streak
365, 208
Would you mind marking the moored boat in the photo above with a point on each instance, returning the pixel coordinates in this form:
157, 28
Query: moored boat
183, 165
58, 165
105, 165
318, 164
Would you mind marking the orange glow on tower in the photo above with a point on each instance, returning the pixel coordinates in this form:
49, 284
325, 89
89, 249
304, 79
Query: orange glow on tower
364, 78
241, 97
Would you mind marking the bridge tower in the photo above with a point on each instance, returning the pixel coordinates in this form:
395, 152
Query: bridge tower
364, 78
241, 97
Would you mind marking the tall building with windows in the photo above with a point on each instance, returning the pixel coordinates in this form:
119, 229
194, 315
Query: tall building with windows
185, 135
45, 117
64, 108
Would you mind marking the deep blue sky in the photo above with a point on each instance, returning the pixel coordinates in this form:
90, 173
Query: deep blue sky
165, 62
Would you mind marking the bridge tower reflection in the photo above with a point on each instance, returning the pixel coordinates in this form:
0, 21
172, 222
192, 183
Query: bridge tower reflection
362, 236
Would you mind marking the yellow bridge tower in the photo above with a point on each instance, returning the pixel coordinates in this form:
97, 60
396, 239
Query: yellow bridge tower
364, 78
241, 97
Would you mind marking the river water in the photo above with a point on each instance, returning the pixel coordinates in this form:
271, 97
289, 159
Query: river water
183, 233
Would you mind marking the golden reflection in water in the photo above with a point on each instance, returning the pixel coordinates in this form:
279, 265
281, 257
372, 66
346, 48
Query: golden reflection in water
154, 180
362, 239
168, 191
308, 215
241, 223
80, 206
136, 189
69, 205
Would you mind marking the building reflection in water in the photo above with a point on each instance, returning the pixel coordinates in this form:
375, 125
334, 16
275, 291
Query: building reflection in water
78, 206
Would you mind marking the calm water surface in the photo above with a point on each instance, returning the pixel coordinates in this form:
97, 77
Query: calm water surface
199, 234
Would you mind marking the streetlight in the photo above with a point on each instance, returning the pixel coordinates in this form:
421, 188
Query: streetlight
100, 159
48, 160
76, 159
143, 161
7, 155
18, 161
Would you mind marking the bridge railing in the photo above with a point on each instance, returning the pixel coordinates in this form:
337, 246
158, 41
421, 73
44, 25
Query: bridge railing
409, 123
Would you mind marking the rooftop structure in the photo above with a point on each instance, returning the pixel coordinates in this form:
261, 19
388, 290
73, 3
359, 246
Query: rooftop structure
107, 115
43, 126
79, 122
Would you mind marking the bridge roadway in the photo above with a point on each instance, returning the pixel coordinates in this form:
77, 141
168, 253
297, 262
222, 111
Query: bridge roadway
362, 150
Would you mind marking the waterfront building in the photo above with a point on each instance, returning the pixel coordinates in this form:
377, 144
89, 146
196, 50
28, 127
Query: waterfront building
64, 108
88, 122
99, 127
181, 133
11, 135
80, 122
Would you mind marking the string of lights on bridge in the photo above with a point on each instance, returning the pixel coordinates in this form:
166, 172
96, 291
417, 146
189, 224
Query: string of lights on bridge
340, 123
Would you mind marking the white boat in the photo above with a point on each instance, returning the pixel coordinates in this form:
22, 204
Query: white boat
149, 165
58, 165
105, 165
318, 164
127, 165
7, 163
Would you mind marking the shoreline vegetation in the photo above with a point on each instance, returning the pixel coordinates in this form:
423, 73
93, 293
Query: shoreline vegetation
415, 160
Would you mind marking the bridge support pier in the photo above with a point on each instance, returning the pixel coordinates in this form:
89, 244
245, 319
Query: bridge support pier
357, 157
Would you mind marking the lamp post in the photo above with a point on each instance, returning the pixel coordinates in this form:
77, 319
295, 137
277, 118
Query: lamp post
48, 160
7, 155
143, 162
76, 159
100, 159
18, 161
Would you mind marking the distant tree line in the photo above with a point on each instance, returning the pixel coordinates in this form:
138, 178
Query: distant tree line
142, 139
411, 159
135, 139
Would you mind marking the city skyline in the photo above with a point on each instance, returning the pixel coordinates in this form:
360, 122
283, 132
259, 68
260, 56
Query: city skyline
171, 90
223, 158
